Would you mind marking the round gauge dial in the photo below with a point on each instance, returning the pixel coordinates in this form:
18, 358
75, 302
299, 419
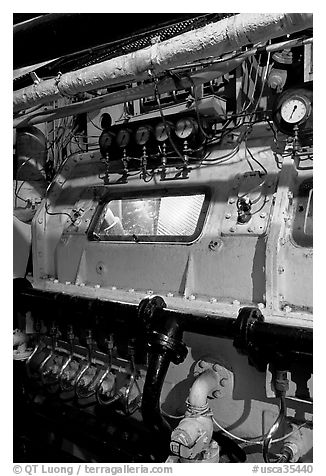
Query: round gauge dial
186, 127
123, 137
294, 110
161, 133
105, 141
143, 134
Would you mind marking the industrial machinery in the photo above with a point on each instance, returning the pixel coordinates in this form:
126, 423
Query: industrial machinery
164, 182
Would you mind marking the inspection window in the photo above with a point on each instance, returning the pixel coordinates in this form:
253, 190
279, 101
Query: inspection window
159, 217
302, 231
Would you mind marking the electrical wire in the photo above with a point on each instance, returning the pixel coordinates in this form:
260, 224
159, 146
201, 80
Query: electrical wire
157, 97
255, 160
260, 439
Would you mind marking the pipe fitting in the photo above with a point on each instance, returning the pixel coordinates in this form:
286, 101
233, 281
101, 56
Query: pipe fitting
205, 383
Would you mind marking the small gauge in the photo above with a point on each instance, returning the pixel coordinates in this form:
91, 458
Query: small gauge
294, 110
105, 141
143, 134
186, 127
123, 137
161, 133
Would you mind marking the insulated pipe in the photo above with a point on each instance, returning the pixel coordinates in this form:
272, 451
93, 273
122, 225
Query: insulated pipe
211, 40
205, 383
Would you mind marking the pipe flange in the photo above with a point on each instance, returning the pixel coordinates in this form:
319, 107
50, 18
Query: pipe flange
147, 308
177, 348
247, 318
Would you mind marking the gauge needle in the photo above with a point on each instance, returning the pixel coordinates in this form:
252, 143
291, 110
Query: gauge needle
293, 111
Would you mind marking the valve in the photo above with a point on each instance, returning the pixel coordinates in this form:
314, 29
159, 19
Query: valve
244, 209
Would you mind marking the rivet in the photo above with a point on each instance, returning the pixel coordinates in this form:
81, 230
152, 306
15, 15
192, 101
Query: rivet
223, 381
40, 220
232, 200
56, 281
149, 291
92, 155
236, 302
263, 215
114, 288
261, 306
192, 297
170, 295
281, 269
82, 284
287, 309
216, 393
233, 229
97, 286
212, 300
68, 282
250, 230
228, 215
131, 290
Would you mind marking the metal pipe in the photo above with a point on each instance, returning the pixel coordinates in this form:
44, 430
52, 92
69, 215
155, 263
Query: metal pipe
296, 342
165, 85
205, 383
268, 438
211, 40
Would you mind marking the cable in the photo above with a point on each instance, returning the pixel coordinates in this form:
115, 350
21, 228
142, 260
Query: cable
157, 97
254, 159
58, 213
257, 440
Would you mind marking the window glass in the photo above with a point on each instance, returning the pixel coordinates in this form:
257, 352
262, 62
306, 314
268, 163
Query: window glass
154, 218
303, 219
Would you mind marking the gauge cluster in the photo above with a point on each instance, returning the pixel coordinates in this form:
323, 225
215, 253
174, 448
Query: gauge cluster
152, 137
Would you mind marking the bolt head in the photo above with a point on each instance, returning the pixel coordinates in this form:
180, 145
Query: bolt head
216, 393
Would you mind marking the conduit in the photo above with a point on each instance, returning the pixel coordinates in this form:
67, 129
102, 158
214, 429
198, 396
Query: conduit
212, 40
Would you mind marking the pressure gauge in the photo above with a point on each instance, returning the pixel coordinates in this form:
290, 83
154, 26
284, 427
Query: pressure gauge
295, 110
186, 127
123, 137
105, 141
161, 133
143, 134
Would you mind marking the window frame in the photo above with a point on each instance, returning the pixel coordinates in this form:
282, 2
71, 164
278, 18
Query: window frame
153, 193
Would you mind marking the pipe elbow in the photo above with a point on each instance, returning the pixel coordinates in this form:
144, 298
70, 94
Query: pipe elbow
205, 383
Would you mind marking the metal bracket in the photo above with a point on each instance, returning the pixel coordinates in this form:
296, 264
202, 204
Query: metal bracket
259, 190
